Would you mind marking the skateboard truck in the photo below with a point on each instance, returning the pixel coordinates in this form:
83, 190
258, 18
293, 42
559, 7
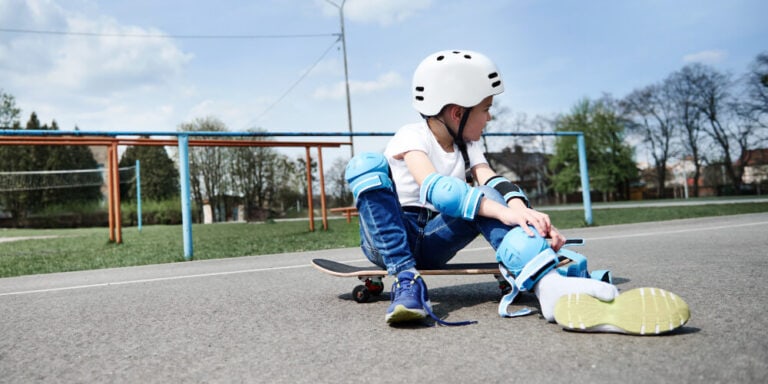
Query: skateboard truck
372, 286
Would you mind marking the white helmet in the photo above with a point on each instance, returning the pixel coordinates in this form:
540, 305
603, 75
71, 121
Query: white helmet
464, 78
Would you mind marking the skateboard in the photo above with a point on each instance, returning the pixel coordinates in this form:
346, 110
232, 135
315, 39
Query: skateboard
372, 275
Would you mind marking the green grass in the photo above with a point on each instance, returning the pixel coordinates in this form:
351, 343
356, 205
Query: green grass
575, 218
89, 248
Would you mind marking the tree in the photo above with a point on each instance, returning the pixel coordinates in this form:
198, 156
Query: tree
299, 181
11, 157
652, 116
718, 107
159, 176
756, 84
24, 158
72, 157
9, 113
255, 176
336, 184
542, 124
611, 167
207, 166
683, 99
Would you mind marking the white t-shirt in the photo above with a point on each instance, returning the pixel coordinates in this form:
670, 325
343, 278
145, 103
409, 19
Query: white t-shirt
418, 137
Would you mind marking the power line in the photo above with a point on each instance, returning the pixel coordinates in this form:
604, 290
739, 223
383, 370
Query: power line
165, 36
338, 37
304, 75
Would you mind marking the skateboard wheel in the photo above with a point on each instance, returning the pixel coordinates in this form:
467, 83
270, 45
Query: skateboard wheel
361, 294
375, 288
505, 288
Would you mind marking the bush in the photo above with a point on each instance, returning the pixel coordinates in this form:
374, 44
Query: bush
166, 212
81, 215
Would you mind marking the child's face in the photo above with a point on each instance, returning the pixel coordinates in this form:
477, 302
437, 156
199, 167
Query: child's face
478, 118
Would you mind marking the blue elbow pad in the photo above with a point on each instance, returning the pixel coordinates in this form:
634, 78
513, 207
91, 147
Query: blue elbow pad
450, 196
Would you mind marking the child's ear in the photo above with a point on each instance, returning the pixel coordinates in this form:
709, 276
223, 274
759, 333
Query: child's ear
456, 112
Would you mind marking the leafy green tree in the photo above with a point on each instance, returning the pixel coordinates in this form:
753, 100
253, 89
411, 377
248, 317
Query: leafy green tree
61, 158
11, 156
24, 158
609, 158
159, 176
72, 157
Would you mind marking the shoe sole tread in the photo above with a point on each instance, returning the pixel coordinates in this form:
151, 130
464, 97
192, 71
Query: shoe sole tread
640, 311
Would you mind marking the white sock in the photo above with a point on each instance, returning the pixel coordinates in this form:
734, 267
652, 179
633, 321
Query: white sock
553, 286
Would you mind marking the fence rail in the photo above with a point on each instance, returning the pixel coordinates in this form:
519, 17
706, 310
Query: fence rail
183, 140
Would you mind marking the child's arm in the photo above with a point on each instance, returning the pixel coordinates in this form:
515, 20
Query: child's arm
516, 213
419, 165
483, 173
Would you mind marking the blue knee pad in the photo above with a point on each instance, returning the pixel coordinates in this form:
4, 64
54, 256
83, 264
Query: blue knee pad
367, 171
517, 250
523, 262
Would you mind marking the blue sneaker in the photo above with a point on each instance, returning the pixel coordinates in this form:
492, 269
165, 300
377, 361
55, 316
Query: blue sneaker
409, 299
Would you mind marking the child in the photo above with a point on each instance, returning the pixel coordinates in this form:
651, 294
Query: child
417, 208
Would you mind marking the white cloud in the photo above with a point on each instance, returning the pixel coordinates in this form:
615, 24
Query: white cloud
338, 91
383, 12
84, 74
706, 57
74, 62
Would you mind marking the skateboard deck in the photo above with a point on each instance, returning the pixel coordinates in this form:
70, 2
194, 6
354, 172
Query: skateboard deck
345, 270
371, 287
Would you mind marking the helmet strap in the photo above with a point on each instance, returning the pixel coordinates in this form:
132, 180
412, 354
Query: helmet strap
459, 140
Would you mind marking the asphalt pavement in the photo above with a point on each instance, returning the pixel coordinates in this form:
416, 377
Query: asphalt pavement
275, 319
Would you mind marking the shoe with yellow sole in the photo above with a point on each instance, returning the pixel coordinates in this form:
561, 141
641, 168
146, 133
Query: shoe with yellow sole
640, 311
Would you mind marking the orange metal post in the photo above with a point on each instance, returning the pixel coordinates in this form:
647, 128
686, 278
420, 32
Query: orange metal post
309, 192
322, 187
115, 176
110, 204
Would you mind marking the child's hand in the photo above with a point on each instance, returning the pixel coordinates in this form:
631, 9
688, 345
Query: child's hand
519, 214
555, 239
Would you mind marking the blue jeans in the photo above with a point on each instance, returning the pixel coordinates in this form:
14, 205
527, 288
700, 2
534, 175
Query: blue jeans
398, 240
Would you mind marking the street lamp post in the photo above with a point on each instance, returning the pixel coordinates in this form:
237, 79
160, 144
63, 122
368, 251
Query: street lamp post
346, 74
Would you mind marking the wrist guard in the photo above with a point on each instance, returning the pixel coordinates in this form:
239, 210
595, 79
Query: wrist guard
507, 189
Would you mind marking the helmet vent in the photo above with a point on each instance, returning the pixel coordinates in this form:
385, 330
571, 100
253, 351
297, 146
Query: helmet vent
468, 56
440, 58
493, 75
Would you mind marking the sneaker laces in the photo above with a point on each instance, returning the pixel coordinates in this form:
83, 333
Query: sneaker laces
406, 287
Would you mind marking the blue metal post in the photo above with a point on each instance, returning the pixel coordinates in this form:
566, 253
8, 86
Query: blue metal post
138, 193
186, 207
584, 179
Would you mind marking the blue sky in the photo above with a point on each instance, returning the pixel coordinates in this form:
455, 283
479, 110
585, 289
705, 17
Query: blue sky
550, 53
